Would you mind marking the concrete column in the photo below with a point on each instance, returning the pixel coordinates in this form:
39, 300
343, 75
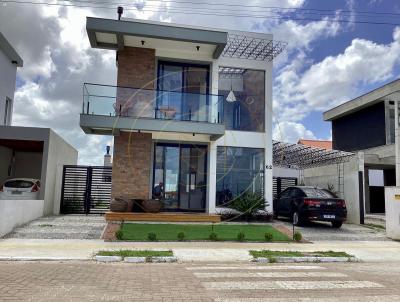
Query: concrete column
397, 142
212, 177
268, 174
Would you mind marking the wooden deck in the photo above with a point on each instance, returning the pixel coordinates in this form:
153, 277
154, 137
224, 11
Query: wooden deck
163, 217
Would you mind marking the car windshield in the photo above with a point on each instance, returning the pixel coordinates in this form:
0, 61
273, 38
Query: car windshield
319, 193
18, 183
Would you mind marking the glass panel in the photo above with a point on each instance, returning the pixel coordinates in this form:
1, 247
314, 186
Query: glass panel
151, 103
243, 92
171, 177
239, 170
158, 187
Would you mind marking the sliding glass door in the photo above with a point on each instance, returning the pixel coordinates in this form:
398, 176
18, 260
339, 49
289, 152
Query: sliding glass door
182, 172
182, 91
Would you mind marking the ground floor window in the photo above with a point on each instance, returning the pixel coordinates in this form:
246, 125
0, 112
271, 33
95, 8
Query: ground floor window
239, 170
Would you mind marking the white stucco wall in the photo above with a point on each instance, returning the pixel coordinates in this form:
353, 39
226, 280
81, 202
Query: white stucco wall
59, 153
8, 73
392, 205
285, 172
324, 175
14, 213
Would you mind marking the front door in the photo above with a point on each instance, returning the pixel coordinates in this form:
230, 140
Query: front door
182, 171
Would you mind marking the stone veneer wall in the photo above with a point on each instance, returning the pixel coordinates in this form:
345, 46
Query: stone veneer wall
132, 151
131, 165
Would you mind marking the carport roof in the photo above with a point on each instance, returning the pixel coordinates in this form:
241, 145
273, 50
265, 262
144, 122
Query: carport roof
299, 156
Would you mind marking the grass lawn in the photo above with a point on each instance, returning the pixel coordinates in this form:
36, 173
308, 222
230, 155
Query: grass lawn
132, 253
169, 232
272, 254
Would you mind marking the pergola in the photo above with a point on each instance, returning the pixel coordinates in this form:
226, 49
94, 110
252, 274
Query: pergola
253, 48
300, 157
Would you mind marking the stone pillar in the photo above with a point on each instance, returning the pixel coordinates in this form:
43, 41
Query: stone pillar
131, 165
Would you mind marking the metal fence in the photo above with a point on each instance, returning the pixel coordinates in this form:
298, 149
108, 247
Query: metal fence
281, 183
86, 190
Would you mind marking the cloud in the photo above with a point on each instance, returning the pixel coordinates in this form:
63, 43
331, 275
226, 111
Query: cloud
331, 81
291, 132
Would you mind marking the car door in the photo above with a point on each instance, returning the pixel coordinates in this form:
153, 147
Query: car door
284, 202
296, 199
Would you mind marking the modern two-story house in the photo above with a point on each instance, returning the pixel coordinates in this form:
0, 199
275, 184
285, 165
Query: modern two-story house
367, 124
191, 112
9, 61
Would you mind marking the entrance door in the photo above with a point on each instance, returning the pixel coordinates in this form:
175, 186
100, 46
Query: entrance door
182, 169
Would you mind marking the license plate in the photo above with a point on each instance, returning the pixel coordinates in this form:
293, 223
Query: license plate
329, 216
16, 192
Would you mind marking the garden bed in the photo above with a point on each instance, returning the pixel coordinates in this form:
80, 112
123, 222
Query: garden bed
199, 232
135, 256
296, 256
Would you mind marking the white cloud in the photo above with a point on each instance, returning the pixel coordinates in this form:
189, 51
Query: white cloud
291, 132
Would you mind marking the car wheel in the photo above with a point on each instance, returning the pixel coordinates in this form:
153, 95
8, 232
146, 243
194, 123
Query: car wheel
336, 224
296, 220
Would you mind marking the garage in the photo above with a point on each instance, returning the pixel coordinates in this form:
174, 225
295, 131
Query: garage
39, 153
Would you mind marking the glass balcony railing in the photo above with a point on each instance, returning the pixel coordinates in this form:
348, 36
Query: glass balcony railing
151, 103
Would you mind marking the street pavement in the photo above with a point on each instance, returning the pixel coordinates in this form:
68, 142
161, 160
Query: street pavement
218, 282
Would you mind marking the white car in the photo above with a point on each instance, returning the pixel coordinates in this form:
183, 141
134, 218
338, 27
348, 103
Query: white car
20, 188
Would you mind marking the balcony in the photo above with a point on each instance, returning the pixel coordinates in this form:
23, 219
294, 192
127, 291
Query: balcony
110, 109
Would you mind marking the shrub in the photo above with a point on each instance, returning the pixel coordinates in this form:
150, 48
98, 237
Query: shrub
181, 236
241, 236
152, 236
268, 236
297, 236
119, 234
213, 236
249, 204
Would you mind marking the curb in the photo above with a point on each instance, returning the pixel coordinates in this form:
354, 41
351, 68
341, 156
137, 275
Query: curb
108, 258
42, 259
305, 259
167, 259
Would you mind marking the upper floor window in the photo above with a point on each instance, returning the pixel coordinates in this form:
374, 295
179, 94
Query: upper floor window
7, 112
244, 98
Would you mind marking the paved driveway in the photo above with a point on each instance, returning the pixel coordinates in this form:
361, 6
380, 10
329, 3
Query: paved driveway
246, 282
320, 231
61, 227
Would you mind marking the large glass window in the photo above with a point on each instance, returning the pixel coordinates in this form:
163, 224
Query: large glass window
244, 98
239, 170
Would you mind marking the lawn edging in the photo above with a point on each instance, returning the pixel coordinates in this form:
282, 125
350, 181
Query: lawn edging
267, 256
135, 256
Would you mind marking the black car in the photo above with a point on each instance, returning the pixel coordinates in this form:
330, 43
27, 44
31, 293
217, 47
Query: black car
302, 204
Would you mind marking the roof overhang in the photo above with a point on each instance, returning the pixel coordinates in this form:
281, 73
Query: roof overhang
10, 52
389, 91
116, 34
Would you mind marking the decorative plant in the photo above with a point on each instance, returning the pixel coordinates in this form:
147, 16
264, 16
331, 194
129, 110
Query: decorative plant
119, 234
152, 236
181, 236
297, 236
213, 236
241, 236
330, 187
249, 204
268, 236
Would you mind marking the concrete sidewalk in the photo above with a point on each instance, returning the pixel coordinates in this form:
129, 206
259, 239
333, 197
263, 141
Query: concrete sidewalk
52, 249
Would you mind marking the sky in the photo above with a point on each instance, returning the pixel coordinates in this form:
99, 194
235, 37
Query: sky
326, 62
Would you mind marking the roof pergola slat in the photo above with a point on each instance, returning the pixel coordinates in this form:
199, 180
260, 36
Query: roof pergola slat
299, 156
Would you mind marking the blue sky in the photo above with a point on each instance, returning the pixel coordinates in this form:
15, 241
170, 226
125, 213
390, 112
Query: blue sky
325, 63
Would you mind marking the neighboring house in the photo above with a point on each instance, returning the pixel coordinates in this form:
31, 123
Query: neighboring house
366, 124
191, 112
324, 144
9, 61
